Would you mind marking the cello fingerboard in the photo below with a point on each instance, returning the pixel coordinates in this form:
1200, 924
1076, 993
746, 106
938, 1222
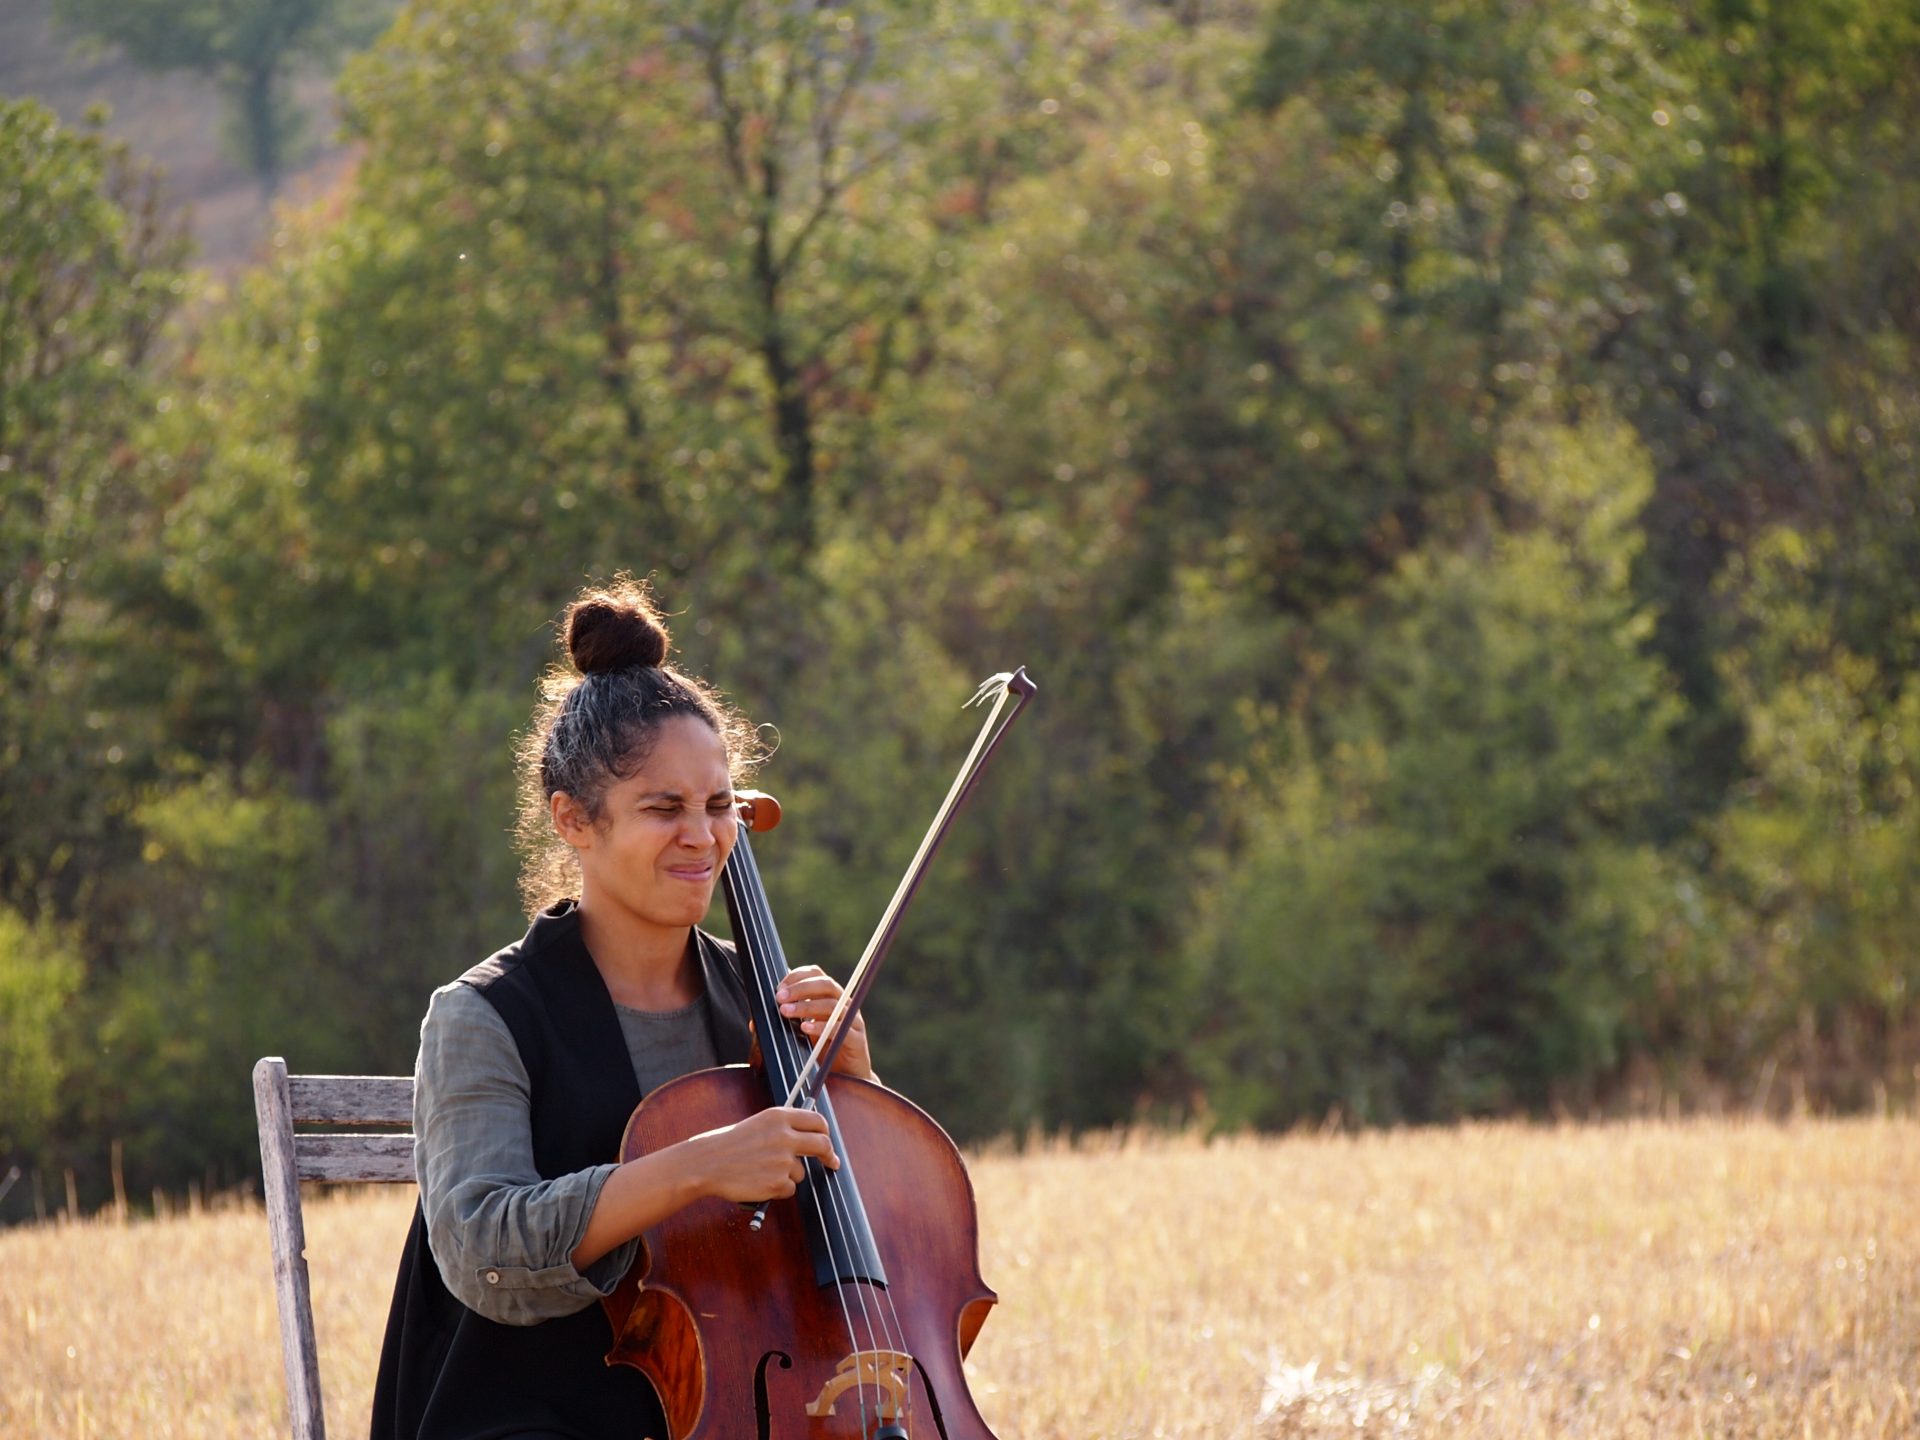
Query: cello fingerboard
838, 1234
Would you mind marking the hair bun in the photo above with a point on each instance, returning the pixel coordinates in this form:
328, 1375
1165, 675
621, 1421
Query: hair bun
615, 629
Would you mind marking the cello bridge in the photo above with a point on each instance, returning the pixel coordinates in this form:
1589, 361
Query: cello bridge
885, 1370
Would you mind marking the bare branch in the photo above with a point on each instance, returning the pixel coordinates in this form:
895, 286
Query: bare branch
831, 192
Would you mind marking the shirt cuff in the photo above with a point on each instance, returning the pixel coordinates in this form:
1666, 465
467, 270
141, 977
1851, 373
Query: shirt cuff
604, 1274
531, 1293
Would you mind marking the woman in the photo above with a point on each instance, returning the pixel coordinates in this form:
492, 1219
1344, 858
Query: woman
531, 1062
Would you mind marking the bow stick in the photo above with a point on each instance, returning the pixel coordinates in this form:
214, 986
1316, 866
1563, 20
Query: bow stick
1000, 688
1015, 689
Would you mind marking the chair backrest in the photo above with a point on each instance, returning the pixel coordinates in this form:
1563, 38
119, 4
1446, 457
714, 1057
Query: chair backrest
282, 1101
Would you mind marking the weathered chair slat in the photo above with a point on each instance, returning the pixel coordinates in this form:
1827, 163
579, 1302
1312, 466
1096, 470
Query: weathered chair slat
355, 1157
351, 1099
281, 1101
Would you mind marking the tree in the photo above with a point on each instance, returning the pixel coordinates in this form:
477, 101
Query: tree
1814, 860
250, 49
1416, 211
620, 269
1767, 344
541, 338
40, 970
88, 271
1447, 903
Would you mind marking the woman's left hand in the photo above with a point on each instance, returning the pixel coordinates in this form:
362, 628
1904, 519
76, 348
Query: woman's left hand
806, 996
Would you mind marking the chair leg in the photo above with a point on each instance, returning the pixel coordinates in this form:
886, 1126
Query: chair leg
274, 1109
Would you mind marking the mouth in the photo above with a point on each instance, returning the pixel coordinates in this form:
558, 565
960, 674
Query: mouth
693, 874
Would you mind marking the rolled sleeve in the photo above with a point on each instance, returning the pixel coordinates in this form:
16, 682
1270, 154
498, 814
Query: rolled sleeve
502, 1236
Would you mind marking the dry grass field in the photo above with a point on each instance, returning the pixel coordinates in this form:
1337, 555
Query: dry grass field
1724, 1279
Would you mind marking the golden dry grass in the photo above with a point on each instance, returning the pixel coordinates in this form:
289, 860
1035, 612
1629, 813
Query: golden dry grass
1659, 1280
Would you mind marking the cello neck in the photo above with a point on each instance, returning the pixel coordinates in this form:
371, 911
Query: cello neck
838, 1232
764, 961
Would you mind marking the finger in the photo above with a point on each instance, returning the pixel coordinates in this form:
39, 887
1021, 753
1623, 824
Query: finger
809, 1142
797, 986
817, 1147
855, 1028
816, 1007
812, 1009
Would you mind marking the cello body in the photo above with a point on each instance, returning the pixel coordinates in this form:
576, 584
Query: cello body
735, 1328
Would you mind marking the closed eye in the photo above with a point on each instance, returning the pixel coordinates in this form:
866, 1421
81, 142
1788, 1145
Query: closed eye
673, 804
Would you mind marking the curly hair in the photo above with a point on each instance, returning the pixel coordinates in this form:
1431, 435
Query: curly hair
597, 721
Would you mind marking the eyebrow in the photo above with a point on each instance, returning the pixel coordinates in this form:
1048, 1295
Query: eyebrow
676, 795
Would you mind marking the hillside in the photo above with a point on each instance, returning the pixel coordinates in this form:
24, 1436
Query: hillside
173, 120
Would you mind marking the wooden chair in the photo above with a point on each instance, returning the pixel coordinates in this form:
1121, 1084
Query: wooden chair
282, 1101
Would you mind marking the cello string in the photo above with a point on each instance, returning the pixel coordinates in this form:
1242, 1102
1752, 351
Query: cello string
840, 1200
828, 1191
779, 1051
777, 1046
774, 1049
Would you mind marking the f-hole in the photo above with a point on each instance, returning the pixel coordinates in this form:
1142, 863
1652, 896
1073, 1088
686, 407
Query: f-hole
933, 1398
762, 1408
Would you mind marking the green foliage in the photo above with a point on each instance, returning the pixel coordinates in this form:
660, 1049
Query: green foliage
708, 221
1817, 856
236, 961
1444, 908
40, 972
418, 784
1454, 263
88, 270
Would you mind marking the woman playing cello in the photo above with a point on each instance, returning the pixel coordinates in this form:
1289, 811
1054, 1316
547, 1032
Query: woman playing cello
531, 1063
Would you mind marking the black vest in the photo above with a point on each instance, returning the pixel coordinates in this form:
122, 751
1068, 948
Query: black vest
447, 1373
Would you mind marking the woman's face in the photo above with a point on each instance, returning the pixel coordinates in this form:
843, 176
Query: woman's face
663, 833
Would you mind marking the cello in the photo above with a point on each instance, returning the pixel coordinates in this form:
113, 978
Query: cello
843, 1312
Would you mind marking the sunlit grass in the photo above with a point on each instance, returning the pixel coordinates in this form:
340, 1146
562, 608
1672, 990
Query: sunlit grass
1632, 1280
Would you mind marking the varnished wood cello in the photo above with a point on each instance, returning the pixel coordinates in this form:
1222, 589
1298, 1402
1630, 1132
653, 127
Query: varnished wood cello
844, 1312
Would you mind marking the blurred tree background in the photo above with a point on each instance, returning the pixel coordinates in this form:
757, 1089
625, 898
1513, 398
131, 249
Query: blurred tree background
249, 50
1451, 474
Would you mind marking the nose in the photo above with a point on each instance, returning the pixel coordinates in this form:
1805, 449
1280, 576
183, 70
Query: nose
700, 829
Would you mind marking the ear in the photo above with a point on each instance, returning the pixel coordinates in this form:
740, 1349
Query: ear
570, 820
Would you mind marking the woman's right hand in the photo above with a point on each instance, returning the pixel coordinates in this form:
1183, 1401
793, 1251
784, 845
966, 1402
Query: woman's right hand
763, 1157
